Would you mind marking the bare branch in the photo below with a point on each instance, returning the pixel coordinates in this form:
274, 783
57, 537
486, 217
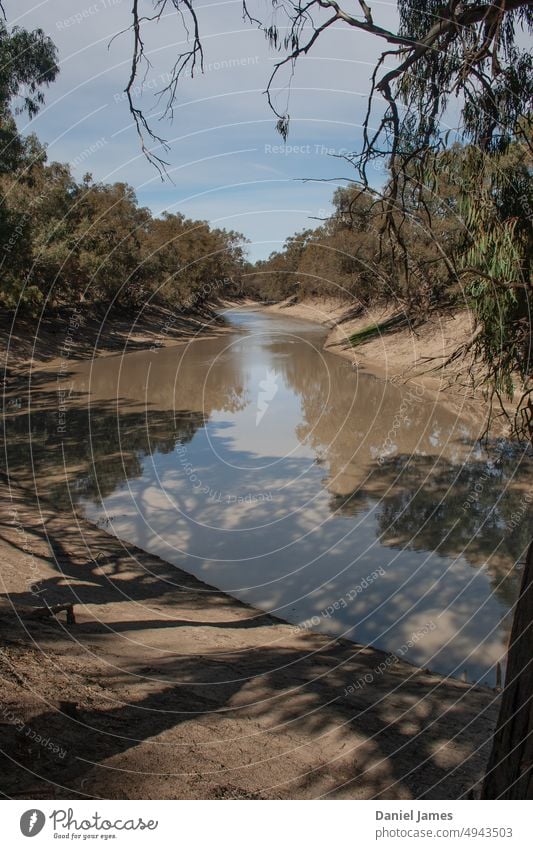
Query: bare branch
141, 123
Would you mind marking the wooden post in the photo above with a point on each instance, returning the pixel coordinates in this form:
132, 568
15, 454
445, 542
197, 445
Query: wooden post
510, 768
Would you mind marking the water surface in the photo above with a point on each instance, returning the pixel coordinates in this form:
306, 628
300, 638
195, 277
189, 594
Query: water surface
277, 472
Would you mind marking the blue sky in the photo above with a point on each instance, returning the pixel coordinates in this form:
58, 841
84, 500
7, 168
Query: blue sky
227, 162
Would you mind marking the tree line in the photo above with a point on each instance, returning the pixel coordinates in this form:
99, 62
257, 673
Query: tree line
349, 256
63, 241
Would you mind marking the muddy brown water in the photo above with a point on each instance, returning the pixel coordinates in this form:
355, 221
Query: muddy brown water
275, 471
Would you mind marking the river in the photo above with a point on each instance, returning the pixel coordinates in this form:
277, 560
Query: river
279, 473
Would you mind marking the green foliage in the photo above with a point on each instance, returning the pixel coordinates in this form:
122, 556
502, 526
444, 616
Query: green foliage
497, 211
377, 329
479, 59
190, 261
67, 242
349, 258
27, 63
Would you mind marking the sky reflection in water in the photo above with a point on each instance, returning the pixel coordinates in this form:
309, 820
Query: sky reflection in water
274, 471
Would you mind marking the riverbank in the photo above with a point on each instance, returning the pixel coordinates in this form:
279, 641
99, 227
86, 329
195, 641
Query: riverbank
164, 687
400, 353
418, 356
76, 333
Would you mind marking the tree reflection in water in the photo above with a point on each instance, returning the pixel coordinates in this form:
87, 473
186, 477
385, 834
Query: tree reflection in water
469, 510
433, 486
356, 478
103, 448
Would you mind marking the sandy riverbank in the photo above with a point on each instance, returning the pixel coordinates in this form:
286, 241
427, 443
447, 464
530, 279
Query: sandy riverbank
74, 334
404, 355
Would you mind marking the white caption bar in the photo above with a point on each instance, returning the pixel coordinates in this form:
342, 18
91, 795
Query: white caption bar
268, 825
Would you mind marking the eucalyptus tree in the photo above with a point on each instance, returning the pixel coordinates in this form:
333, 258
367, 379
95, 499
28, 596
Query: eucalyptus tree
466, 52
27, 66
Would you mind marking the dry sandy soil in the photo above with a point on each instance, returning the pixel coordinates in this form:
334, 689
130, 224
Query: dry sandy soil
76, 334
412, 354
165, 688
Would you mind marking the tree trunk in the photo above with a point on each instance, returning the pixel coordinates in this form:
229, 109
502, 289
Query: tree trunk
510, 769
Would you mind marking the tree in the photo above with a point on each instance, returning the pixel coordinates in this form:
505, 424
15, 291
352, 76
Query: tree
64, 241
438, 51
106, 227
189, 261
510, 773
27, 65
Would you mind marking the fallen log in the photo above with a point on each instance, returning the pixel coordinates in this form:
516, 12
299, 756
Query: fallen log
53, 610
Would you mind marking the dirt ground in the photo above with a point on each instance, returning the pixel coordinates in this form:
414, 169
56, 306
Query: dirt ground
411, 354
75, 333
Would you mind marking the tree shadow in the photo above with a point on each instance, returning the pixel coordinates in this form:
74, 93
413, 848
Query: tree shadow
292, 716
290, 709
392, 732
